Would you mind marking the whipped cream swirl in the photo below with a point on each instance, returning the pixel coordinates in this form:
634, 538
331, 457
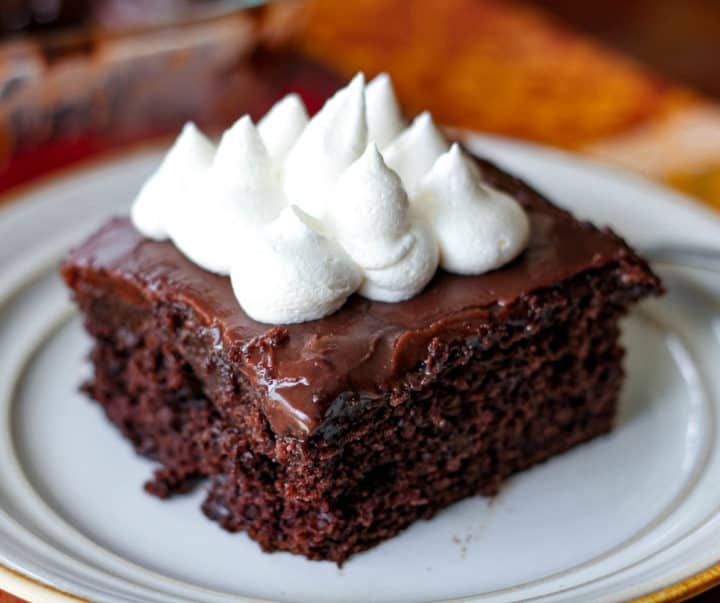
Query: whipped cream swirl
191, 154
238, 191
282, 126
384, 118
302, 213
297, 274
477, 227
370, 217
332, 140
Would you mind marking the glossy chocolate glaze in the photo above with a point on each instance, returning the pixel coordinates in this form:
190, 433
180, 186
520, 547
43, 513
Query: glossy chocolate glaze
365, 346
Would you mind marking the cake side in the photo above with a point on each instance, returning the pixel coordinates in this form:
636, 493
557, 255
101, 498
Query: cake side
546, 377
324, 438
365, 343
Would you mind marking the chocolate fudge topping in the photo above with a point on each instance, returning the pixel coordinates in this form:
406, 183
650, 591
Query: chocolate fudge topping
366, 344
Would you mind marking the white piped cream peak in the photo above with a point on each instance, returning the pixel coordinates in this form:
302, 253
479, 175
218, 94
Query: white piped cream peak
303, 213
296, 275
370, 217
332, 140
384, 117
414, 151
478, 228
191, 153
282, 126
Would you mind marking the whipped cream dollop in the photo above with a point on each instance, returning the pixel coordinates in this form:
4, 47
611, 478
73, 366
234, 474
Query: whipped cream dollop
415, 150
477, 227
282, 126
293, 273
384, 118
238, 191
370, 217
332, 140
302, 213
191, 154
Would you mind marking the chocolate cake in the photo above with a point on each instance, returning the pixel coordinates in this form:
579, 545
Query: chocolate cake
324, 438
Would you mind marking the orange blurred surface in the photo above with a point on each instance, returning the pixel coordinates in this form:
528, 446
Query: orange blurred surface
490, 65
512, 69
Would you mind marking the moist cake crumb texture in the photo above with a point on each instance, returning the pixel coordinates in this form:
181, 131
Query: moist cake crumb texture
328, 437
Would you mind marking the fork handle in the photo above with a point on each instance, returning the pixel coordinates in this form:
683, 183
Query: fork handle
693, 257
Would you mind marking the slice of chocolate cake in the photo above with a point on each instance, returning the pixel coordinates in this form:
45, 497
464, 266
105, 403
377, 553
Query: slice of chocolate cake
326, 437
347, 324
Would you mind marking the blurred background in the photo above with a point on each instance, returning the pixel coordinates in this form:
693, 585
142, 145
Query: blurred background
631, 83
635, 83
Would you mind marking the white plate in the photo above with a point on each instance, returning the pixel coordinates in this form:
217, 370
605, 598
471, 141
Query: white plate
621, 516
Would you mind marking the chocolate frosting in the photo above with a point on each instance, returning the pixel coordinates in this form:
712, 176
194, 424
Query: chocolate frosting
366, 345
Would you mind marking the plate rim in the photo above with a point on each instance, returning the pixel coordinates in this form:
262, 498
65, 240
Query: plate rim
21, 585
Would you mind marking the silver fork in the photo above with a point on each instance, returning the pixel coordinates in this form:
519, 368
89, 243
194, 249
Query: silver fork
680, 255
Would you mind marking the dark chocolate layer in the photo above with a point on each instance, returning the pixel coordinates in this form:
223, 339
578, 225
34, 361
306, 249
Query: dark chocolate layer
479, 415
366, 345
